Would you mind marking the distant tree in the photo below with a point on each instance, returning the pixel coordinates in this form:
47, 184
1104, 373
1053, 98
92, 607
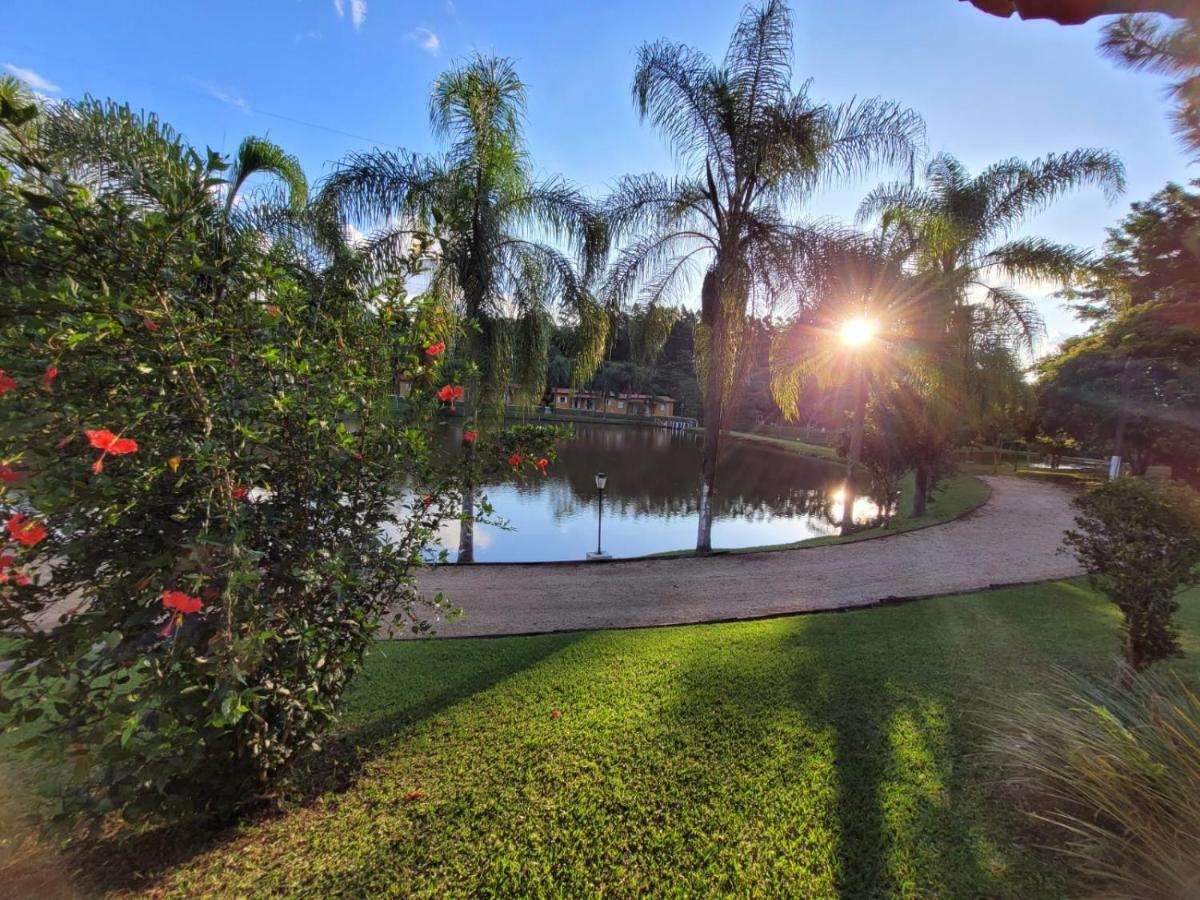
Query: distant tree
1140, 375
1132, 385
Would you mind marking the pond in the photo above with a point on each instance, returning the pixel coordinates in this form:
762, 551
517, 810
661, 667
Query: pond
765, 495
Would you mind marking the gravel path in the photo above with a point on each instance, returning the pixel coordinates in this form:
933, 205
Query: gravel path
1014, 537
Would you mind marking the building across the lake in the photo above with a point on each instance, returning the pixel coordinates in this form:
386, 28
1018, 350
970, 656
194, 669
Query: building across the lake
626, 404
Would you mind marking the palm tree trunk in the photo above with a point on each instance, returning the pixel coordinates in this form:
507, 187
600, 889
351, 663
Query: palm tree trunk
466, 534
856, 441
708, 469
711, 315
920, 490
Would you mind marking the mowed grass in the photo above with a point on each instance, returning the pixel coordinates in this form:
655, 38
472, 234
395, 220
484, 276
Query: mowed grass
811, 756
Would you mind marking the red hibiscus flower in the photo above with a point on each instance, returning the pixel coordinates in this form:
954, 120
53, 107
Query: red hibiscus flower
6, 383
450, 393
105, 440
240, 491
48, 379
7, 560
25, 532
555, 714
541, 464
181, 602
436, 349
515, 460
9, 474
469, 437
150, 325
21, 578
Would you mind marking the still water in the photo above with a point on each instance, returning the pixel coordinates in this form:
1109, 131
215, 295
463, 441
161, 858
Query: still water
765, 495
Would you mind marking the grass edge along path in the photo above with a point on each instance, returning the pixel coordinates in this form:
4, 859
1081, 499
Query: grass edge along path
819, 755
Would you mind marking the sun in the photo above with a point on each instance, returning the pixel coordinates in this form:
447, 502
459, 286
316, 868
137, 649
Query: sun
856, 332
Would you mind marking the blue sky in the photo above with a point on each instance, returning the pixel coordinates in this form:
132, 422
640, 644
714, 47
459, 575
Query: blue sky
326, 77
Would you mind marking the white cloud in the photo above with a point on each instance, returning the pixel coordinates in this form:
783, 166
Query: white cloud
226, 96
33, 79
427, 39
358, 11
306, 36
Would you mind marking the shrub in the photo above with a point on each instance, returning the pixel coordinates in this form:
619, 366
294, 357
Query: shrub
1140, 540
1115, 771
200, 459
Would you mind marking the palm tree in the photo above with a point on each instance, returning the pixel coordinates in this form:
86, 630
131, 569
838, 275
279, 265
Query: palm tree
847, 338
493, 235
751, 147
1168, 47
956, 233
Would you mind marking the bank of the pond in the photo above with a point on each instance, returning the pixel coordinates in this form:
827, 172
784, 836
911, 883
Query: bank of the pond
813, 756
960, 494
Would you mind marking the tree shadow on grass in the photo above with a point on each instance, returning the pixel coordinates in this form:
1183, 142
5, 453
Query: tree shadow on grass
405, 684
885, 704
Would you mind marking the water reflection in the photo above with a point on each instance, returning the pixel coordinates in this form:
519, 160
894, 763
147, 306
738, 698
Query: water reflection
765, 495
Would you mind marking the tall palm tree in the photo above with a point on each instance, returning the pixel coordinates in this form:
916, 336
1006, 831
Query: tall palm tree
957, 233
494, 237
751, 147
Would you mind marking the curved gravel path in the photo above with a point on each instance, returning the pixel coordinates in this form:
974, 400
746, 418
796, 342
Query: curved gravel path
1014, 537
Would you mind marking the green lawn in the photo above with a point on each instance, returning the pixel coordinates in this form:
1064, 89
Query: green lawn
823, 755
803, 447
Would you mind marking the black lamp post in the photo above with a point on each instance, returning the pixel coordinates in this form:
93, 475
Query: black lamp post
601, 481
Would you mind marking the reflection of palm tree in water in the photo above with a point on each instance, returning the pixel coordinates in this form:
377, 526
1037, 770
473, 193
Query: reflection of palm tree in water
653, 473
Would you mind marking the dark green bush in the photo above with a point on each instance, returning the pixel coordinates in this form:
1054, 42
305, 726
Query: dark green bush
1140, 540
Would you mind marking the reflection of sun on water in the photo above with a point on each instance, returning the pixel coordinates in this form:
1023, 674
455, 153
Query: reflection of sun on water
864, 510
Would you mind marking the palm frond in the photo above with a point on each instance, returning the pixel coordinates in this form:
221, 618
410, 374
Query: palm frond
674, 87
867, 135
759, 62
1015, 189
1036, 259
1015, 319
257, 156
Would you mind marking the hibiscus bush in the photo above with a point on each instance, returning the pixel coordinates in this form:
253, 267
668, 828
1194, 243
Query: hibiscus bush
204, 469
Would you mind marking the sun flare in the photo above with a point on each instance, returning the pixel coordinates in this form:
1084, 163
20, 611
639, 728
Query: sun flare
857, 332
